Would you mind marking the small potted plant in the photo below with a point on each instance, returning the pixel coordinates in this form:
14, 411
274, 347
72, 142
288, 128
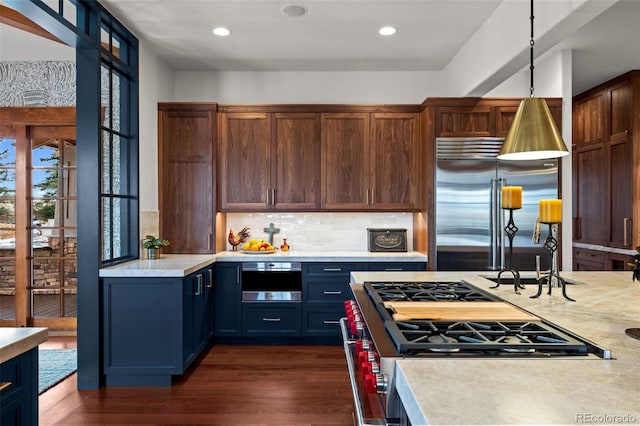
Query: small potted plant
153, 244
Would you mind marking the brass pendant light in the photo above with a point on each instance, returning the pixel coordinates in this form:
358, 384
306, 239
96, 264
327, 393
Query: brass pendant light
533, 134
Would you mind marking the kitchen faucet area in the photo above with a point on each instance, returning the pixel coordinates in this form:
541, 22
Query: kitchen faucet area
336, 212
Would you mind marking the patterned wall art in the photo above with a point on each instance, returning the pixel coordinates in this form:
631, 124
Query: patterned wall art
37, 83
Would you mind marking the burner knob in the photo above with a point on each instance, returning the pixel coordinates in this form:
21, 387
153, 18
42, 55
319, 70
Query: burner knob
370, 367
375, 383
362, 345
357, 327
368, 356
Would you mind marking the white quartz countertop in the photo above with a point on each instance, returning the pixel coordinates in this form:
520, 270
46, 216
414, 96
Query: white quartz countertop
322, 256
169, 265
18, 340
534, 391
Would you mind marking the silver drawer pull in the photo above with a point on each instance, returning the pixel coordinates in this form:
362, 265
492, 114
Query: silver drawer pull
4, 385
331, 321
332, 269
332, 293
210, 285
199, 290
393, 269
271, 319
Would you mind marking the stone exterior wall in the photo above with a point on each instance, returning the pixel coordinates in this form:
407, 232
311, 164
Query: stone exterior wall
46, 264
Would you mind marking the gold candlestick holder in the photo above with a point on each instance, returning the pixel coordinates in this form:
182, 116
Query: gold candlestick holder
551, 246
511, 229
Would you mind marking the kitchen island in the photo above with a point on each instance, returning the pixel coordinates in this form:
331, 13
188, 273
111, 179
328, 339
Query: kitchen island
534, 391
19, 374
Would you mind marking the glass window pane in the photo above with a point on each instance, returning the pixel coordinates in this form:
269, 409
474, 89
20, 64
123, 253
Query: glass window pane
7, 284
46, 303
69, 11
105, 97
7, 184
104, 36
69, 216
70, 302
41, 240
46, 155
117, 236
46, 273
116, 47
44, 213
106, 162
69, 182
53, 4
7, 153
106, 229
117, 84
116, 164
7, 221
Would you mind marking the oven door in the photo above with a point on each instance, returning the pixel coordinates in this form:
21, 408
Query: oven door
370, 408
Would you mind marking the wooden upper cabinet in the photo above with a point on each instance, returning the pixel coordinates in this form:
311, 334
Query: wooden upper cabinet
461, 121
345, 161
395, 161
245, 161
504, 119
295, 161
590, 119
186, 171
620, 98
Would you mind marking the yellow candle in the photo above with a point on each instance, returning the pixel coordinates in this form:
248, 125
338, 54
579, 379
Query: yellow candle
550, 211
511, 197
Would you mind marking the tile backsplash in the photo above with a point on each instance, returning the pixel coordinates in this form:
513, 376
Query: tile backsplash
320, 231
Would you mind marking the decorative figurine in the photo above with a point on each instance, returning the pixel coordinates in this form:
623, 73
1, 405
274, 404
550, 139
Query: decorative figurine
284, 246
236, 240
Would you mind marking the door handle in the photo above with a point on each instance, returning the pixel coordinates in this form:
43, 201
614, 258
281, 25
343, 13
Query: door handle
331, 322
199, 289
332, 293
271, 319
332, 269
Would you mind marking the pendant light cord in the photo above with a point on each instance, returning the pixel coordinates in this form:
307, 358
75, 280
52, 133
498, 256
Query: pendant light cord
531, 43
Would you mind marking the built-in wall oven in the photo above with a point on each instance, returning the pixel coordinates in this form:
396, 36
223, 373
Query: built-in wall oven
271, 282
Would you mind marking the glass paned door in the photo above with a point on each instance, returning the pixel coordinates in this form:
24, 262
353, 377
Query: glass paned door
7, 230
53, 228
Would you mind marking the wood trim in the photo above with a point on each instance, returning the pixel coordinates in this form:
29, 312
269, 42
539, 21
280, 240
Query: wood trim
23, 219
15, 19
39, 116
316, 108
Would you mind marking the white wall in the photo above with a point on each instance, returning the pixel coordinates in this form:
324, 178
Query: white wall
307, 87
156, 85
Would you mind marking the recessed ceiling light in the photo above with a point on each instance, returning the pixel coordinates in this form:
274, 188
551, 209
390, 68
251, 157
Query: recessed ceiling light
221, 31
387, 31
294, 10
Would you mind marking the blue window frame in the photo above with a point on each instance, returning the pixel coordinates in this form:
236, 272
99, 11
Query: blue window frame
107, 153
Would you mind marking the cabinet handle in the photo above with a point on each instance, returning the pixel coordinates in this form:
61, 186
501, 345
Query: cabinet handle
210, 285
273, 197
625, 222
271, 319
209, 241
366, 201
373, 196
332, 293
199, 290
393, 269
331, 322
4, 385
268, 197
237, 275
332, 269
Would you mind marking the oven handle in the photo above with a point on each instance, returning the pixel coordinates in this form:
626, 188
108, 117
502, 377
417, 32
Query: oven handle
353, 379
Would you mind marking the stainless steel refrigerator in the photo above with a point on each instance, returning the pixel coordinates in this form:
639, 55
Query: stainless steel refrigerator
469, 220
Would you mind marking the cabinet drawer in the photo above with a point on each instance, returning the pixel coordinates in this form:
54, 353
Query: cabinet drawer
18, 372
590, 255
398, 266
327, 291
331, 268
271, 319
322, 321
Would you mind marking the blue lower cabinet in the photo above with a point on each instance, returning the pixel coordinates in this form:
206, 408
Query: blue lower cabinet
271, 319
322, 321
19, 390
155, 327
397, 266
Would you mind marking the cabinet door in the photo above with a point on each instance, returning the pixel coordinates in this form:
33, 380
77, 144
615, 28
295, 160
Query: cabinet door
465, 121
206, 328
227, 295
395, 161
245, 161
589, 119
590, 210
345, 161
621, 164
186, 177
296, 167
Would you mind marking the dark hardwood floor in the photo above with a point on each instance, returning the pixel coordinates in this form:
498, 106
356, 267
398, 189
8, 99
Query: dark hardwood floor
230, 385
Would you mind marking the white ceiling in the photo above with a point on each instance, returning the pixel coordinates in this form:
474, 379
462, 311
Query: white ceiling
341, 35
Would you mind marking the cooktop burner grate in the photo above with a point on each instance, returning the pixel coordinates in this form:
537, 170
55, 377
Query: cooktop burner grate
510, 337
